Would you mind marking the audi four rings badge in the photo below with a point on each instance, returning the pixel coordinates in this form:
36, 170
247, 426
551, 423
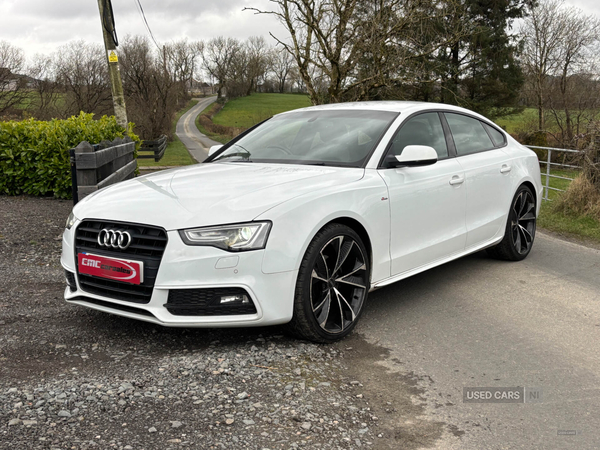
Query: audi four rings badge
114, 238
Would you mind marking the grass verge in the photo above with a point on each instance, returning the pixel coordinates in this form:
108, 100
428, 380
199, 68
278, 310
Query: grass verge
579, 227
176, 153
582, 227
222, 138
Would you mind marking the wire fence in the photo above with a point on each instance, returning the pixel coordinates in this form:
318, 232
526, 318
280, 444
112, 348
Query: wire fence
547, 172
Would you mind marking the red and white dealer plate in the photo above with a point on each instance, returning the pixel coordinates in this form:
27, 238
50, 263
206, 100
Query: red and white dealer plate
111, 268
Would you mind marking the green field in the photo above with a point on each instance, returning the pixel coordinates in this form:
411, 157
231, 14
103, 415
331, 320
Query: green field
528, 121
244, 112
176, 153
517, 122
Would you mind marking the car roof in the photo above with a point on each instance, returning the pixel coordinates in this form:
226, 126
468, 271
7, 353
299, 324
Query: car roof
403, 107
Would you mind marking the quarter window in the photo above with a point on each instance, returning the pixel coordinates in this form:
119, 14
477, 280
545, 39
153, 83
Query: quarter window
496, 136
424, 129
469, 134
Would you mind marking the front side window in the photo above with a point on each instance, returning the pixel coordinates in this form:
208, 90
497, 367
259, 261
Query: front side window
469, 134
330, 137
423, 129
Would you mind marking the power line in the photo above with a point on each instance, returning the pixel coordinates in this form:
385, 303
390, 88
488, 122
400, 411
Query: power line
108, 22
143, 15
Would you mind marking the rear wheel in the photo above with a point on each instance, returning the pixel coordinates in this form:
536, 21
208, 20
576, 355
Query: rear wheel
520, 228
332, 285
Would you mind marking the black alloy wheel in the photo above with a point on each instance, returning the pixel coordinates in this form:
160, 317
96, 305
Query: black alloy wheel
523, 222
520, 228
332, 286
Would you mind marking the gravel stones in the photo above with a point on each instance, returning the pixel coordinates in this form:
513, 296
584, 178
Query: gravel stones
72, 377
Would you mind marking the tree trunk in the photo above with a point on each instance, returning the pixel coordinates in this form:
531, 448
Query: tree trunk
540, 105
454, 75
563, 91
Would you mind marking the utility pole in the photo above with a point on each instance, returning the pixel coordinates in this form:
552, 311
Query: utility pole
112, 57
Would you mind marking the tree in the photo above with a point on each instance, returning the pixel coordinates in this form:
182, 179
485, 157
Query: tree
359, 50
182, 60
281, 66
543, 31
576, 54
321, 35
484, 70
44, 84
81, 71
218, 57
152, 86
12, 63
259, 61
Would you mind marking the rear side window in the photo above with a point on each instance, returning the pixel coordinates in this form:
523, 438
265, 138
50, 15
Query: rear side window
469, 134
496, 136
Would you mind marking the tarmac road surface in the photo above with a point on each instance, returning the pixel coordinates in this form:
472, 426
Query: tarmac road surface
197, 143
478, 322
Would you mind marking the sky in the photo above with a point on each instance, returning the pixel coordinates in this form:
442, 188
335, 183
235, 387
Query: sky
42, 26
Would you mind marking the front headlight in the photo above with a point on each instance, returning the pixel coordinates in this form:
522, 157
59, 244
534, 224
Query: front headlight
70, 221
234, 238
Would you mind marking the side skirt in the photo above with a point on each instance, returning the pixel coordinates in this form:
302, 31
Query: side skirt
439, 262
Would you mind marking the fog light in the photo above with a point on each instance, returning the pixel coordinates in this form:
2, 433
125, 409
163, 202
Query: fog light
227, 299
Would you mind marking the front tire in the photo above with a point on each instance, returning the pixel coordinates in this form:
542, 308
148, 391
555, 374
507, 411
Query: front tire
520, 228
332, 286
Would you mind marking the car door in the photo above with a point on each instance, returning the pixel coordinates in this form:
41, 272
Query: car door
427, 203
487, 176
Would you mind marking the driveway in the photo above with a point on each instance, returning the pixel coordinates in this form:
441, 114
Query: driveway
197, 143
478, 322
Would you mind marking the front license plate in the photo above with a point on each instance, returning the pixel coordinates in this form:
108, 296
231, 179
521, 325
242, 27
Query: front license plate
111, 268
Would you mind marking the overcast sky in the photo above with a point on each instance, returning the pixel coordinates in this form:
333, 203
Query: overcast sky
41, 26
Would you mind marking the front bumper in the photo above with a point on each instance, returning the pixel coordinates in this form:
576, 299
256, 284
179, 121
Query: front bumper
196, 267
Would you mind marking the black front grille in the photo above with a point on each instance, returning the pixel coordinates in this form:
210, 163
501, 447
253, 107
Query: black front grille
147, 246
205, 302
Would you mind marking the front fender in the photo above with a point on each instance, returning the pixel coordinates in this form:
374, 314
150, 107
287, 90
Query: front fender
296, 222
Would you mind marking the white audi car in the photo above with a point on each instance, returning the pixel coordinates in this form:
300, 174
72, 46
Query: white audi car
296, 220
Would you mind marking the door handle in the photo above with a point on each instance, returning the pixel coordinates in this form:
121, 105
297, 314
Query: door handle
456, 180
505, 168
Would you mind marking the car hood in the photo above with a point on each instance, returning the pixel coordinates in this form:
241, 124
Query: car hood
209, 194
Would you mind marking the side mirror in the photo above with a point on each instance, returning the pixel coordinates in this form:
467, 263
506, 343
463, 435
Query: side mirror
413, 155
213, 149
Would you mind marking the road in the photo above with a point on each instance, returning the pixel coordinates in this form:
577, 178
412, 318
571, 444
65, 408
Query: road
477, 322
197, 143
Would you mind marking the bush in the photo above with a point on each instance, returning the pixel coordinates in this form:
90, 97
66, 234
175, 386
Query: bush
34, 157
580, 199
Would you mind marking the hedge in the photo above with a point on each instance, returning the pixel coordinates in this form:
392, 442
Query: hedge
34, 157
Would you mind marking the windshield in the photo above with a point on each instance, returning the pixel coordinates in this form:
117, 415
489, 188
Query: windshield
336, 138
